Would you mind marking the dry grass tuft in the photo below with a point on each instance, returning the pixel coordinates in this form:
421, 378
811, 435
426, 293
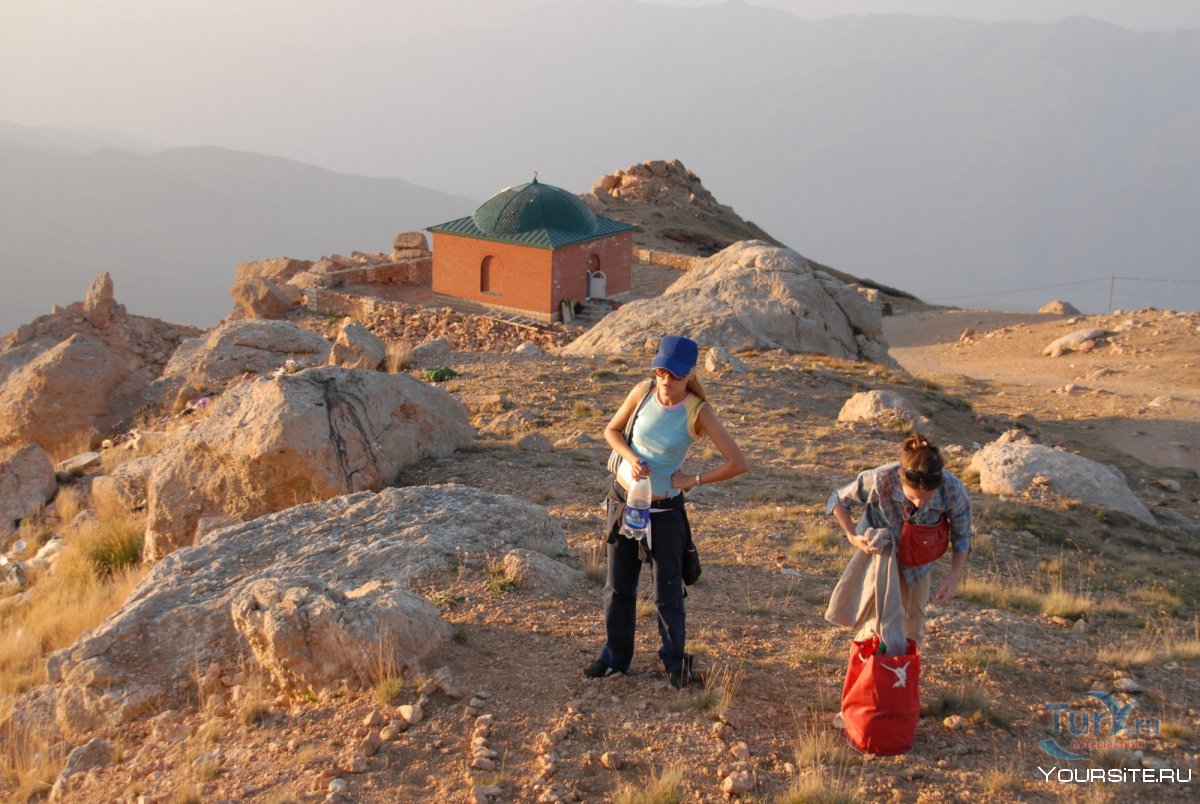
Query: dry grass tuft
30, 760
971, 704
823, 762
399, 356
662, 787
997, 782
1056, 602
815, 788
500, 580
82, 441
88, 583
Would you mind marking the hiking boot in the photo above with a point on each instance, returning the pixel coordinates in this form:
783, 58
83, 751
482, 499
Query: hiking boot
599, 669
683, 676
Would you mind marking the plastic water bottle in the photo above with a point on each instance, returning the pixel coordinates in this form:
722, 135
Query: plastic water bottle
637, 506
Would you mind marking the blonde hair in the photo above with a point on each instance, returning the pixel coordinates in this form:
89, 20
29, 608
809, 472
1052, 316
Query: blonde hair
918, 454
694, 386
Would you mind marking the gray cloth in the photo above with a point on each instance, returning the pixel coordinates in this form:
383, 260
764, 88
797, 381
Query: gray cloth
867, 596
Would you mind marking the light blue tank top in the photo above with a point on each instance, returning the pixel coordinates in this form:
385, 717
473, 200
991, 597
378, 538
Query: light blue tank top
661, 438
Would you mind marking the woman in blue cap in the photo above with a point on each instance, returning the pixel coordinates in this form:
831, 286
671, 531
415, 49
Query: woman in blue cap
669, 413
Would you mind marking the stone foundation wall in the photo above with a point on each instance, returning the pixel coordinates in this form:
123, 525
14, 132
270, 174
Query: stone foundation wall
681, 261
408, 272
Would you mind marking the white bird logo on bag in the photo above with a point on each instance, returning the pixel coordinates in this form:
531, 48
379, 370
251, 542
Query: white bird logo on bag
901, 674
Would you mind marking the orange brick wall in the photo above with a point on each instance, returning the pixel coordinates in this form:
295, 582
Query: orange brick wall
528, 278
616, 261
520, 274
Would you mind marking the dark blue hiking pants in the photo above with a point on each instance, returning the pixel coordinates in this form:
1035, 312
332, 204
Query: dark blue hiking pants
669, 533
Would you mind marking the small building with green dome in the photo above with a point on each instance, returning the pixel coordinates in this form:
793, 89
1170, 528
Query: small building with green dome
526, 250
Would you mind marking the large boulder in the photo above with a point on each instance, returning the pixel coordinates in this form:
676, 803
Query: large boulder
749, 296
249, 346
68, 388
84, 367
26, 484
1010, 467
350, 563
273, 442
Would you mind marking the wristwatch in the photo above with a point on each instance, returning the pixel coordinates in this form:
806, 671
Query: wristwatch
697, 480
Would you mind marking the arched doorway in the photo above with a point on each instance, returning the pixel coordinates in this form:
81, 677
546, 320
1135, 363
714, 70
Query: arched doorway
489, 275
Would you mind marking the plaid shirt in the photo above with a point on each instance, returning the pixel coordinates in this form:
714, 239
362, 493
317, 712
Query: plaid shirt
880, 489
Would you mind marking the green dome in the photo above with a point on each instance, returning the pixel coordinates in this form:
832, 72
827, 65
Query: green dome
534, 207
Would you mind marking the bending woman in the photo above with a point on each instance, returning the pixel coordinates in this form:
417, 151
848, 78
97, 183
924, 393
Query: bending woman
670, 413
926, 509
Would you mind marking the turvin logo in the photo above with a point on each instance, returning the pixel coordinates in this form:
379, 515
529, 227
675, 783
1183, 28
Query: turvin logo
1096, 729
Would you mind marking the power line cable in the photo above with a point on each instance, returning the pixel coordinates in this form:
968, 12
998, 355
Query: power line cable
1064, 285
1020, 290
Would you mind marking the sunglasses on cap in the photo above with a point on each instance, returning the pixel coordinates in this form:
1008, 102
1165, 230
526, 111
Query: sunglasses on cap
923, 480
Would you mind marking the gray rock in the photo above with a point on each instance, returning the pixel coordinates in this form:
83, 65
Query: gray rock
1010, 468
538, 573
430, 352
357, 347
529, 350
535, 442
869, 406
718, 359
77, 465
1081, 340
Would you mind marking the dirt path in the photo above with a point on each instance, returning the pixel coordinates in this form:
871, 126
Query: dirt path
1139, 394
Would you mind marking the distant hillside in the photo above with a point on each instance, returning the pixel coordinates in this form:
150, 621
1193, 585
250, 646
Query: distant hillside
172, 226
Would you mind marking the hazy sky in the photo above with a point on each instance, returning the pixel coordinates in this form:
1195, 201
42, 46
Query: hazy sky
427, 92
177, 72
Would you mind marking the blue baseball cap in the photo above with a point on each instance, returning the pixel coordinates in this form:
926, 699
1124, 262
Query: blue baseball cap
677, 355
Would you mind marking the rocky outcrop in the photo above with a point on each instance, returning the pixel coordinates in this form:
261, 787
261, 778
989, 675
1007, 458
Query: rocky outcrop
350, 561
84, 367
750, 296
26, 484
235, 348
671, 208
273, 442
1008, 466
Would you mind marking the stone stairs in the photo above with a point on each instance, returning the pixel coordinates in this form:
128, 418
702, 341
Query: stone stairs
591, 313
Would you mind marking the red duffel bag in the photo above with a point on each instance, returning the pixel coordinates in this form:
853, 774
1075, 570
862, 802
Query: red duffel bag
881, 701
